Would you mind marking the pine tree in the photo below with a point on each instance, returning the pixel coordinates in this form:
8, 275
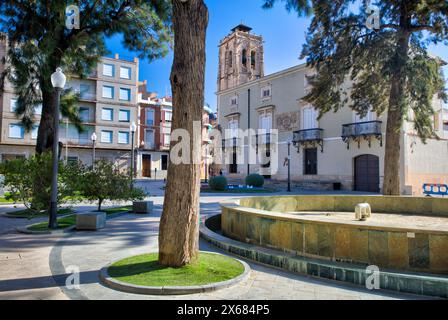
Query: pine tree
390, 67
39, 42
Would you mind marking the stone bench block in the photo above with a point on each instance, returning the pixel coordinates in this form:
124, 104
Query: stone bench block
91, 221
142, 207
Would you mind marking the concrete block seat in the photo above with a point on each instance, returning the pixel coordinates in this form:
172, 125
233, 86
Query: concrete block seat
142, 207
91, 221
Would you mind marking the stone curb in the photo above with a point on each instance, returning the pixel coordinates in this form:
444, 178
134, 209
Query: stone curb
165, 291
409, 283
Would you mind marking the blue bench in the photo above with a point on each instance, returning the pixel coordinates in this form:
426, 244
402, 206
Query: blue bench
435, 189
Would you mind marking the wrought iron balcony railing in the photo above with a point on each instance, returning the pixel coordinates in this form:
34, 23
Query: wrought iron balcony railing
359, 130
308, 137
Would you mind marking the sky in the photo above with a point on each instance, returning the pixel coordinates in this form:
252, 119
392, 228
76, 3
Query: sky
283, 33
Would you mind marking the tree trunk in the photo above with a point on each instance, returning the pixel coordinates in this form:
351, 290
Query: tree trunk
395, 115
179, 226
100, 202
46, 127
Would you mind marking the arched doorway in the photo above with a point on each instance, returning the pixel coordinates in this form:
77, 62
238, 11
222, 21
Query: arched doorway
367, 173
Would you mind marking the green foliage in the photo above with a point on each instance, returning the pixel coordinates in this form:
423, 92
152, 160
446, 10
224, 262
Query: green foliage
218, 183
39, 42
340, 47
28, 181
106, 182
255, 180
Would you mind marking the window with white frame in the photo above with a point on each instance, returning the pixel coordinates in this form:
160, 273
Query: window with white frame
125, 94
265, 119
266, 92
16, 131
233, 101
13, 105
108, 70
233, 126
123, 137
107, 114
370, 116
167, 139
125, 73
149, 139
108, 92
34, 132
106, 136
309, 118
149, 117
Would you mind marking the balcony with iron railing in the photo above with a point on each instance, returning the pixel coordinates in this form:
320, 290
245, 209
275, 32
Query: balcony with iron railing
308, 137
362, 130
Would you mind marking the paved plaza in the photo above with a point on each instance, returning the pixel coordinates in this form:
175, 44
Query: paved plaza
35, 266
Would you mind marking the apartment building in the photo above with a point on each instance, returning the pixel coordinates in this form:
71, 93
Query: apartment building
107, 107
154, 134
339, 150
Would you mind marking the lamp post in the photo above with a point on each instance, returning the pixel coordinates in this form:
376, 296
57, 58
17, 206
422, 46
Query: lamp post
289, 165
133, 129
94, 138
58, 80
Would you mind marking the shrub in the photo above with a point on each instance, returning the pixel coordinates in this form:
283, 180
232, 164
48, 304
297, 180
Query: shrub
255, 180
106, 182
218, 183
28, 181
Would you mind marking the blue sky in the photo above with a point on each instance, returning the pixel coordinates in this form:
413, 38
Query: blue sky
283, 33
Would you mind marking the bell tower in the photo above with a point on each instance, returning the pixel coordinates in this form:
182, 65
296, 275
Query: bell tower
240, 58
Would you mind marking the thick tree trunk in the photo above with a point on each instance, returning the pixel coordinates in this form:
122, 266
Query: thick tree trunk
395, 115
179, 226
46, 128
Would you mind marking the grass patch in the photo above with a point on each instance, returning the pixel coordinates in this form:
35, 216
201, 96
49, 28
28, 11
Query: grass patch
63, 223
28, 214
4, 200
145, 270
118, 210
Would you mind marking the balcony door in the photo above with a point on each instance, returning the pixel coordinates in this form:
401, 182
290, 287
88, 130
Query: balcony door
367, 173
309, 118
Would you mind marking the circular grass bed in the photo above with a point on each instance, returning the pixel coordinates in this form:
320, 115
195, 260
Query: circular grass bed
144, 270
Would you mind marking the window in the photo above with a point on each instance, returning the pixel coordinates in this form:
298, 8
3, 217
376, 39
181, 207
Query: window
253, 59
125, 73
13, 105
168, 116
167, 139
266, 121
84, 114
309, 118
266, 92
124, 116
72, 160
107, 114
233, 101
38, 109
164, 162
16, 131
233, 127
34, 132
123, 137
244, 58
125, 94
108, 70
149, 139
108, 92
84, 91
149, 117
230, 59
106, 136
370, 116
310, 162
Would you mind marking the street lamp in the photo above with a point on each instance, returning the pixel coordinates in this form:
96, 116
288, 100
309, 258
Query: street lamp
133, 129
58, 80
94, 137
289, 165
